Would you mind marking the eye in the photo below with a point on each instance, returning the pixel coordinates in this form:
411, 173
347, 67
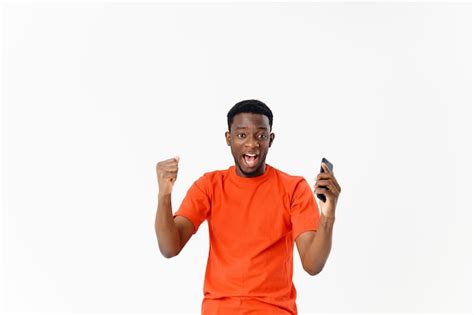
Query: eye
241, 135
263, 136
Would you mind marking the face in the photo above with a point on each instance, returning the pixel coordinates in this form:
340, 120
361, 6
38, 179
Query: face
249, 139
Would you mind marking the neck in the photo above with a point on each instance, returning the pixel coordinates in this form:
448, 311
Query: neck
259, 171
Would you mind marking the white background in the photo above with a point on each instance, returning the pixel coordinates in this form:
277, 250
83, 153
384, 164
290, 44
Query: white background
94, 95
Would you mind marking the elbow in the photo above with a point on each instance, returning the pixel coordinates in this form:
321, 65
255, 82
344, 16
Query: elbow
314, 271
168, 254
167, 249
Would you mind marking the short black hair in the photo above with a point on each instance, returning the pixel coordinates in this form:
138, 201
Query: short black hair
249, 106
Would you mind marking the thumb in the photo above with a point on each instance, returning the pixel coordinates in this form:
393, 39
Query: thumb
176, 158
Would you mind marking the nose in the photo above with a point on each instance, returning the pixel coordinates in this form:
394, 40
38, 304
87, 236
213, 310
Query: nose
252, 142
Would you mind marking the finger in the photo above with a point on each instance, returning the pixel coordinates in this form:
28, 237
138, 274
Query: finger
166, 164
337, 185
169, 174
176, 158
326, 168
323, 182
327, 192
173, 159
328, 185
171, 162
166, 177
320, 190
332, 189
170, 167
321, 186
324, 175
321, 176
332, 179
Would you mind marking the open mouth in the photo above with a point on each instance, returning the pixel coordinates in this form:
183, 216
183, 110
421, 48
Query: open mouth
251, 159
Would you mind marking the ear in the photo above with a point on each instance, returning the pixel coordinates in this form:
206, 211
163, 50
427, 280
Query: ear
272, 137
227, 137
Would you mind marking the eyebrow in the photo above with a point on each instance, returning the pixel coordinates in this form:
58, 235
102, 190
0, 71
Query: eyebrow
241, 127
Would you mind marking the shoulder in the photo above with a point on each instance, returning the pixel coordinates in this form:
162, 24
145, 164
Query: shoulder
296, 187
210, 178
215, 175
288, 178
290, 182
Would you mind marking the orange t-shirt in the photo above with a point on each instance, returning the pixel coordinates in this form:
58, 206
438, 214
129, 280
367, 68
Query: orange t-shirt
253, 223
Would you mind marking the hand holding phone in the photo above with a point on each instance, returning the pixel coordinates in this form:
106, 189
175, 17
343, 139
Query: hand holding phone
330, 166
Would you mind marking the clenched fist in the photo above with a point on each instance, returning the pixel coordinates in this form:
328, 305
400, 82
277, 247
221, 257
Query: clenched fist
167, 172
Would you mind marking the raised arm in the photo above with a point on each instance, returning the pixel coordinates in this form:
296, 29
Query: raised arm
172, 234
314, 247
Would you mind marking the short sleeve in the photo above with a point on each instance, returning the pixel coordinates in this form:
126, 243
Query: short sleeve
304, 210
196, 204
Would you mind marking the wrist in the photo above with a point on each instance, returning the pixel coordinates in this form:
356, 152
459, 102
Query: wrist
164, 194
328, 217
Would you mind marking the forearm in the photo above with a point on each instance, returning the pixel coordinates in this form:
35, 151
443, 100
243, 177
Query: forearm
166, 231
320, 247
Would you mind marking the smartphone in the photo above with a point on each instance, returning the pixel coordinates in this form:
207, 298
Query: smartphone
329, 164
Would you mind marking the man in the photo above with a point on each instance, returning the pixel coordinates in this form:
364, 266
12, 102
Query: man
255, 213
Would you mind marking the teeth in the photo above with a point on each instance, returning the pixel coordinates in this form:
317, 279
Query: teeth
251, 154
